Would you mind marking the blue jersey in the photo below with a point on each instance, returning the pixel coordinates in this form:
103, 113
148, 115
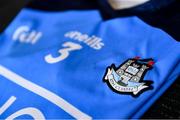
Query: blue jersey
73, 64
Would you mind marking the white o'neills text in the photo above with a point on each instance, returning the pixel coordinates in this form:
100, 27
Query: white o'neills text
92, 41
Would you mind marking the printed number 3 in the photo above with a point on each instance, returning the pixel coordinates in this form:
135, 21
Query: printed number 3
70, 46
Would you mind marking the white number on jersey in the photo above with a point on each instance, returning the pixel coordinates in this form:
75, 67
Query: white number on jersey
64, 53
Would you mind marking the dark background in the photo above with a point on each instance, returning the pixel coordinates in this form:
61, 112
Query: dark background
8, 10
168, 105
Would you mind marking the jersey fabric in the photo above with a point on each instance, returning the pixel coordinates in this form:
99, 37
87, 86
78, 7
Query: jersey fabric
49, 69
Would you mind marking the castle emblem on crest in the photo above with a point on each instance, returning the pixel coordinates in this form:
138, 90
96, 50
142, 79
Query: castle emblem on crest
128, 77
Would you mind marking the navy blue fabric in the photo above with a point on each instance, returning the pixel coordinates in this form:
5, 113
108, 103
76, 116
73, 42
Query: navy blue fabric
57, 5
167, 18
78, 79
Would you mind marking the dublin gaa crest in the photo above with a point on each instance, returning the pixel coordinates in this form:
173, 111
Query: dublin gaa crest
128, 77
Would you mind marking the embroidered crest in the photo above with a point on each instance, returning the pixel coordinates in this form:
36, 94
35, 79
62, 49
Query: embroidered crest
128, 77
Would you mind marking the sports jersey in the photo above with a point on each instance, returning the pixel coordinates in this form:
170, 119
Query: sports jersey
74, 64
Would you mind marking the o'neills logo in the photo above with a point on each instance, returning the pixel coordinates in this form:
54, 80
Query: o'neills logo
92, 41
128, 77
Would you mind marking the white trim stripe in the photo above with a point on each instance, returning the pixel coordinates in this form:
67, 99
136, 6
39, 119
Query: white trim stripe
50, 96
